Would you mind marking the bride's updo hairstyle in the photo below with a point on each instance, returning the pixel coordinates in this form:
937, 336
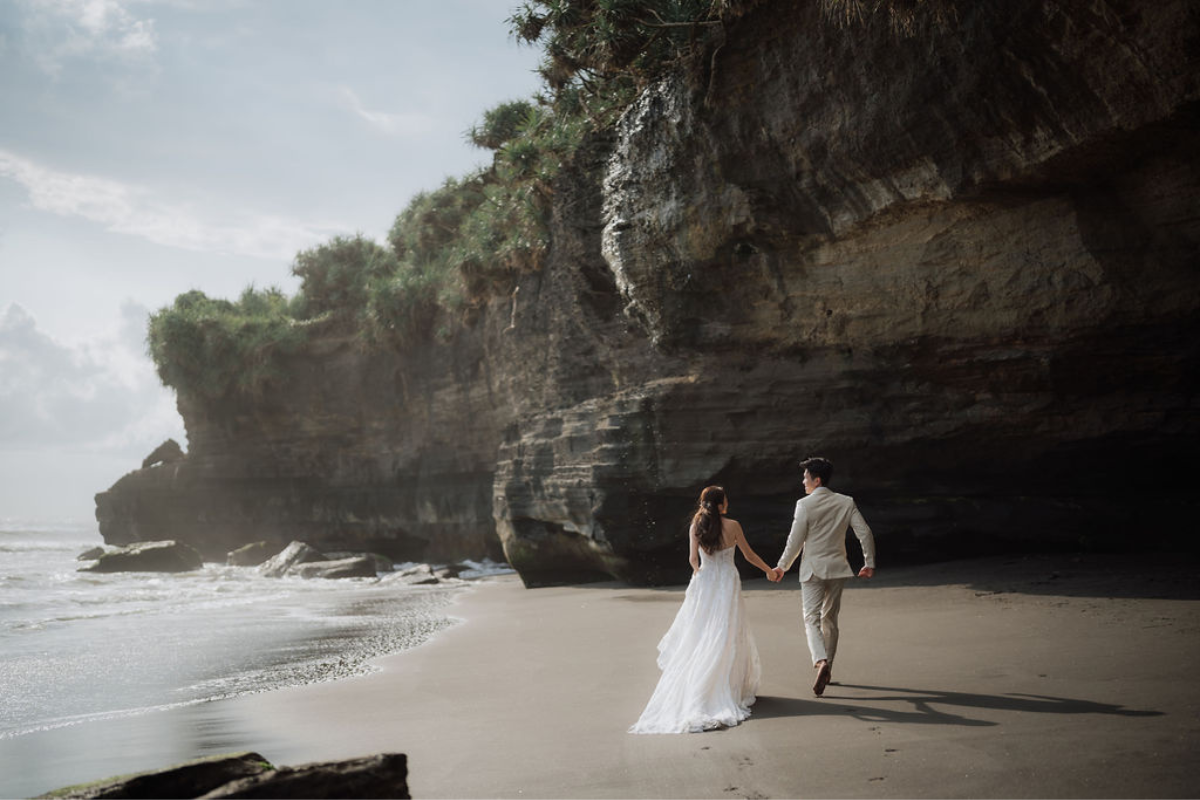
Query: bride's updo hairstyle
707, 521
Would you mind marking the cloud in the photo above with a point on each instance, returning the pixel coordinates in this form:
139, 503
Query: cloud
101, 397
137, 211
390, 124
63, 30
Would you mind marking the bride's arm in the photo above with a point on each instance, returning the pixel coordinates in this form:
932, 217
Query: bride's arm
748, 551
693, 549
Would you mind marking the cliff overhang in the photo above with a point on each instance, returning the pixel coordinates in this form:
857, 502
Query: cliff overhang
963, 266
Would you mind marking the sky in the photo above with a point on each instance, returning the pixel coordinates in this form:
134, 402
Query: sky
152, 147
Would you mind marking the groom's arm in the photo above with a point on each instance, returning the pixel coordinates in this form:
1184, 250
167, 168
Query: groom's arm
796, 537
865, 539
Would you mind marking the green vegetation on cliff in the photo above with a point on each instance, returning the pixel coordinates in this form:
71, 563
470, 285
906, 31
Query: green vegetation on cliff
454, 247
598, 55
206, 347
448, 251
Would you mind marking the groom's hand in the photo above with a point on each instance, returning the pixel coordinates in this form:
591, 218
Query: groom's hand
866, 572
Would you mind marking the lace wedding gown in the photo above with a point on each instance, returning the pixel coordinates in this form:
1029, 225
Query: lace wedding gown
708, 658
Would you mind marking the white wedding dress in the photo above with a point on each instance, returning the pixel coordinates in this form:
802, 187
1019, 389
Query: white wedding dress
709, 661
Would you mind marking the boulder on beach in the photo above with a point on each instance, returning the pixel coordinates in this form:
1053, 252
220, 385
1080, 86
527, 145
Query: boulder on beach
382, 562
166, 453
416, 575
251, 775
165, 556
380, 775
472, 570
190, 779
294, 554
354, 567
253, 554
419, 574
91, 554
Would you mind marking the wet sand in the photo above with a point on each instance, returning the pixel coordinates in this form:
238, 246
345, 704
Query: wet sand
1021, 677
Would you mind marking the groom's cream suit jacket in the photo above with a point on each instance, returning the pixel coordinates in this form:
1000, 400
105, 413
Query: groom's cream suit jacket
819, 529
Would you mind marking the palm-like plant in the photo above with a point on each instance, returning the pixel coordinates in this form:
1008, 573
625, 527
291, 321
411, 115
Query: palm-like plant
593, 43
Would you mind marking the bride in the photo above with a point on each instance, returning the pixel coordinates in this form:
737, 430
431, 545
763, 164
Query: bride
708, 657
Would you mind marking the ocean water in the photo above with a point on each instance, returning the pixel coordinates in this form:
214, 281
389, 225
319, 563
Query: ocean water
78, 649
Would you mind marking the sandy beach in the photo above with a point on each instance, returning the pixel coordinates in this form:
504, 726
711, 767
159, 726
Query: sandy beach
1045, 676
1041, 676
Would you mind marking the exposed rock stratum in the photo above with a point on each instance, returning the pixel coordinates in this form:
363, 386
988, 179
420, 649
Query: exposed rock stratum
962, 265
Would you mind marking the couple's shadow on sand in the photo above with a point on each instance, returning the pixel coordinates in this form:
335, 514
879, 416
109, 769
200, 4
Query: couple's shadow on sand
928, 706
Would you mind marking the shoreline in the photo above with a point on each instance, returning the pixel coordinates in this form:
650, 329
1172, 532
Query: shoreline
337, 634
1003, 677
355, 657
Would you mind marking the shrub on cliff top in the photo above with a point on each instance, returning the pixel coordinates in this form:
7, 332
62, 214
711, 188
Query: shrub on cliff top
463, 242
430, 222
509, 230
334, 276
606, 48
401, 307
499, 124
596, 43
402, 304
208, 347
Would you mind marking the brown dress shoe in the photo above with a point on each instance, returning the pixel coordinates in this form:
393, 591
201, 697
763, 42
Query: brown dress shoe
824, 673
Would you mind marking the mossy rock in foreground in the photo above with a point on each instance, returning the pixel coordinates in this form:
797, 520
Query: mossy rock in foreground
190, 779
250, 775
165, 556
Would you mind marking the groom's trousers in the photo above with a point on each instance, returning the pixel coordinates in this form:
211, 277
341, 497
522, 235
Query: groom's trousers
822, 601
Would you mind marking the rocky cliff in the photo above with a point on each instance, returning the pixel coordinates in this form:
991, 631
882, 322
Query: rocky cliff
961, 264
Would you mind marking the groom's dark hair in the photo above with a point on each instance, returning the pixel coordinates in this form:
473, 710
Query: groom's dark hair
819, 468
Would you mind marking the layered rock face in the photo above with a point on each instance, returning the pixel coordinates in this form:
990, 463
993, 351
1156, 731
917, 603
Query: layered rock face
366, 450
962, 265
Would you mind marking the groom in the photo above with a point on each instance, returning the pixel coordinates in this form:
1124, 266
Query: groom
819, 528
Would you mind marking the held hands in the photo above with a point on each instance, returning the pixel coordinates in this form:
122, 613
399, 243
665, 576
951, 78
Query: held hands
774, 575
866, 572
